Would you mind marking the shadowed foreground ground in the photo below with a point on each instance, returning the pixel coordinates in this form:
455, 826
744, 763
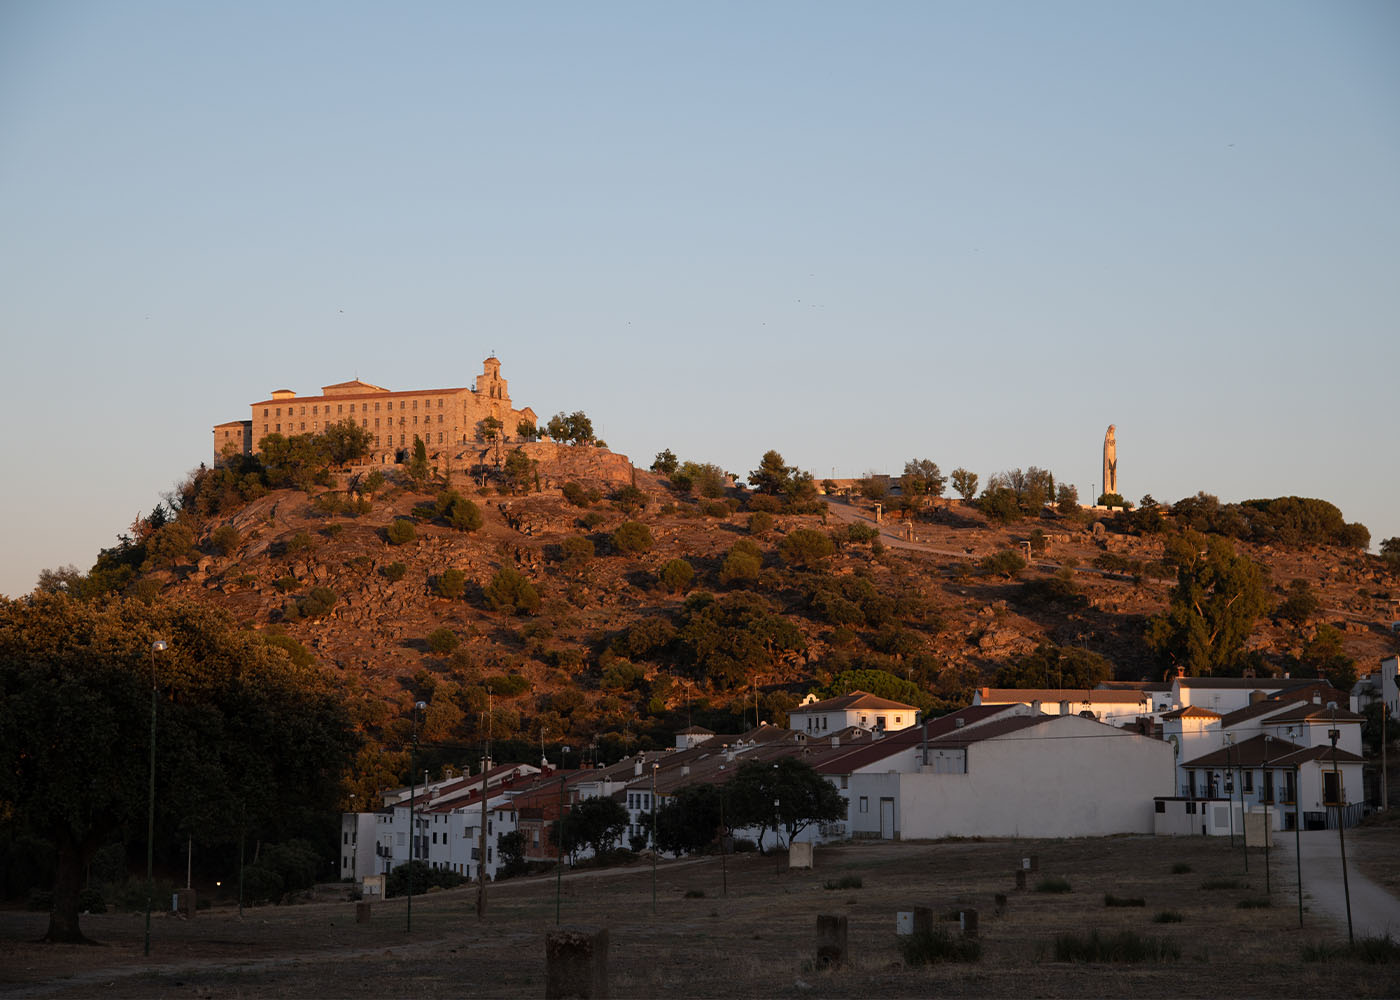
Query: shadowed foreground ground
757, 941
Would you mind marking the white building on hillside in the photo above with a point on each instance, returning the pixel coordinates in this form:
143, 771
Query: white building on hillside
859, 708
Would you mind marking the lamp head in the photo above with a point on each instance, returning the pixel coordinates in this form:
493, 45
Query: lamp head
158, 646
420, 705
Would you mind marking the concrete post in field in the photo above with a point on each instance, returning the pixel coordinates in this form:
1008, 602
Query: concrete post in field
916, 921
879, 513
361, 913
968, 920
576, 963
800, 855
831, 940
1020, 878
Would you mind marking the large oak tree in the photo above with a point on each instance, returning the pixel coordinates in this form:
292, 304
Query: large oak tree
245, 738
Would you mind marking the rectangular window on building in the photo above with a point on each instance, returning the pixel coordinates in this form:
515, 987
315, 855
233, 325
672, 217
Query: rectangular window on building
402, 404
303, 423
415, 404
340, 408
439, 402
279, 411
439, 437
1161, 806
264, 412
313, 410
376, 407
864, 804
1249, 781
279, 428
401, 440
303, 411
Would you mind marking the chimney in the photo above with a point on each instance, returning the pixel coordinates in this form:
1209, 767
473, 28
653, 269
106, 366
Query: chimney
1064, 708
1181, 671
836, 741
685, 770
637, 768
1035, 704
959, 723
1256, 696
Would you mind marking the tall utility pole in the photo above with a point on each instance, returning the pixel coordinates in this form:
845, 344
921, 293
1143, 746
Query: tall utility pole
1333, 735
1268, 823
156, 647
481, 847
418, 706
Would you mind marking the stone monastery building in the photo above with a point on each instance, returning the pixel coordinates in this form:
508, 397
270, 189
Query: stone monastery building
450, 421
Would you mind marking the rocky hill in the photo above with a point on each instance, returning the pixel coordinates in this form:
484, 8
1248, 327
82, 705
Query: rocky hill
620, 647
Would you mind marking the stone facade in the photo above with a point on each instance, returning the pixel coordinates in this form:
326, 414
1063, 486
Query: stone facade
450, 421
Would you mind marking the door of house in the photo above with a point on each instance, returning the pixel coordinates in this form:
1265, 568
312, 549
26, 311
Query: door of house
1331, 788
887, 819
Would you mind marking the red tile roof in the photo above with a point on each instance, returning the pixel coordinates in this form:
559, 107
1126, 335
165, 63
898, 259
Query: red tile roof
854, 700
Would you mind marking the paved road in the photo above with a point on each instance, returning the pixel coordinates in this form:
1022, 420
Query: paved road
1374, 911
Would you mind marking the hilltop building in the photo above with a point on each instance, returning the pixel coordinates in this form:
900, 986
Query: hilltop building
451, 422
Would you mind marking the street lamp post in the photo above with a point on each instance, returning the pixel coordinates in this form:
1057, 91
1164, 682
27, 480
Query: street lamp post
654, 768
156, 647
1268, 824
418, 706
1333, 735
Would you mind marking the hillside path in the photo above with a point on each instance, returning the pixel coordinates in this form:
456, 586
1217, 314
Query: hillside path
1374, 911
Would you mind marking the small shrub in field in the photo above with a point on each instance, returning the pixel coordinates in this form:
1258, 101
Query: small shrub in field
1111, 900
1123, 946
716, 508
507, 685
333, 530
1181, 868
740, 565
286, 583
1004, 563
676, 575
1167, 917
1222, 883
760, 521
940, 945
576, 550
401, 531
1053, 884
844, 882
510, 591
695, 894
632, 536
394, 571
451, 583
1255, 903
224, 539
762, 503
442, 640
464, 515
806, 547
592, 519
1376, 950
317, 603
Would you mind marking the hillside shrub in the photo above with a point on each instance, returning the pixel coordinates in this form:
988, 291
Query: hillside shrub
740, 566
1005, 563
286, 584
506, 685
760, 521
401, 531
224, 539
450, 583
676, 575
510, 591
317, 603
592, 519
578, 496
576, 550
632, 537
464, 515
1167, 917
806, 547
394, 571
1053, 883
1111, 900
442, 640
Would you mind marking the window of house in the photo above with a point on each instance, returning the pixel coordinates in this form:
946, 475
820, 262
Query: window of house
264, 412
439, 418
864, 804
1161, 806
845, 780
1249, 781
345, 838
313, 410
403, 839
439, 437
439, 402
880, 721
303, 423
898, 719
279, 428
1191, 807
279, 411
340, 408
303, 411
376, 407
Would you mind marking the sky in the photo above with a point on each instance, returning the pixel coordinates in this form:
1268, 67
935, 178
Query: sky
977, 233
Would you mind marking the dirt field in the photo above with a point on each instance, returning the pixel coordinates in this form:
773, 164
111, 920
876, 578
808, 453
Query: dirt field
759, 940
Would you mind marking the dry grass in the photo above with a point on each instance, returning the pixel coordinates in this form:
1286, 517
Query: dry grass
758, 940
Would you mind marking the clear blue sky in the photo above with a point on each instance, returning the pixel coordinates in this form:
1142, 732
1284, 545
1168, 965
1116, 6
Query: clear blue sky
858, 233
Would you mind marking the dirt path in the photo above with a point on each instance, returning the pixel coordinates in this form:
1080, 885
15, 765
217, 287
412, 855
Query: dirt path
1374, 911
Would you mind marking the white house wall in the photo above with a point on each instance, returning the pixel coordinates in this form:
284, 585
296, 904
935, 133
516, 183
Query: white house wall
1069, 777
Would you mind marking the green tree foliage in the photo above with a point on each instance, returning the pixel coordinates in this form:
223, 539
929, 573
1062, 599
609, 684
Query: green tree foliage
1067, 499
240, 731
443, 640
632, 537
1000, 504
922, 478
450, 583
881, 683
629, 500
1217, 598
526, 430
281, 868
512, 850
574, 428
1323, 656
964, 482
576, 551
595, 823
317, 603
772, 475
1005, 563
1052, 666
578, 496
394, 571
1299, 604
803, 796
727, 639
742, 564
806, 547
1390, 552
225, 539
418, 464
401, 531
665, 463
874, 488
689, 820
676, 575
702, 478
511, 592
423, 878
760, 521
346, 442
488, 429
519, 471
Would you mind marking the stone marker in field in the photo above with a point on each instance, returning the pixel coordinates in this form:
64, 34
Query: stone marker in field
1020, 878
361, 913
967, 919
919, 920
576, 963
800, 855
1031, 862
831, 940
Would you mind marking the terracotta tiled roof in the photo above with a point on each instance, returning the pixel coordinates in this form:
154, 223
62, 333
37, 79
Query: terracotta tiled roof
1259, 709
856, 699
1308, 712
1322, 753
1250, 753
1075, 696
1191, 712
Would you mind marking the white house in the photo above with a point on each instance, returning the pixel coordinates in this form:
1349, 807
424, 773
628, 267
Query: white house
1191, 731
1027, 775
859, 708
1116, 706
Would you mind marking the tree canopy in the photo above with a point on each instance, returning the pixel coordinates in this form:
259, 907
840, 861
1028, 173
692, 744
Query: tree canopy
802, 795
244, 735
